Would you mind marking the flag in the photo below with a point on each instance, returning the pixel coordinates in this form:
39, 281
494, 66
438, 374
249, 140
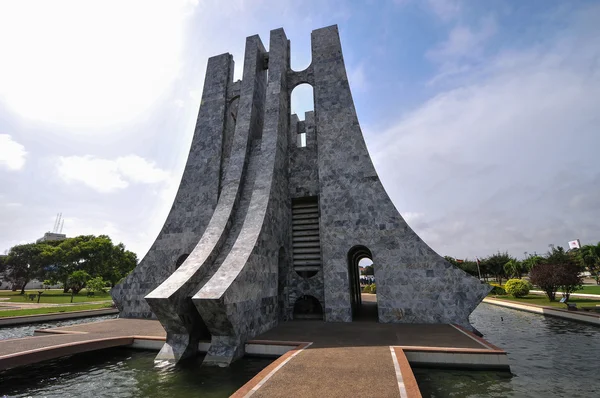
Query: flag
574, 244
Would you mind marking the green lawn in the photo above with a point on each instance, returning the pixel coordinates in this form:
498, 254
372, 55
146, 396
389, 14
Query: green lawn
543, 300
590, 289
53, 296
52, 310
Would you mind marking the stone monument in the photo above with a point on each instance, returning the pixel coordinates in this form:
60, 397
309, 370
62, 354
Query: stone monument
273, 215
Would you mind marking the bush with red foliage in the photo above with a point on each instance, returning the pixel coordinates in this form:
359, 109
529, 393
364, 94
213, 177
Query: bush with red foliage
551, 277
546, 277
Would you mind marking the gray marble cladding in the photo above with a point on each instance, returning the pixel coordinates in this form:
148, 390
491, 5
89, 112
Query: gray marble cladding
233, 214
356, 210
196, 197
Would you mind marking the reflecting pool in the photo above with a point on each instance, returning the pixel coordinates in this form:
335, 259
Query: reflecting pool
18, 331
549, 357
121, 372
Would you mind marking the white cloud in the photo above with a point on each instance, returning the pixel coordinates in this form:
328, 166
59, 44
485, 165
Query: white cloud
508, 150
463, 41
106, 175
464, 47
88, 64
138, 169
358, 79
12, 154
446, 10
410, 216
77, 226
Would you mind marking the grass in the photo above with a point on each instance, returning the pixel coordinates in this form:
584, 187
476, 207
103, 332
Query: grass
543, 300
590, 289
53, 310
55, 296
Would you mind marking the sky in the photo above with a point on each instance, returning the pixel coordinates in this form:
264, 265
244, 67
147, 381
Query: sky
481, 117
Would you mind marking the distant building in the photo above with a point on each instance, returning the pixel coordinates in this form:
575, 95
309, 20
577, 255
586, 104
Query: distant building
48, 236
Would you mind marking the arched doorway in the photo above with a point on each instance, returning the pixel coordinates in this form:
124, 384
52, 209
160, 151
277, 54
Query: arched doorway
362, 284
302, 101
308, 307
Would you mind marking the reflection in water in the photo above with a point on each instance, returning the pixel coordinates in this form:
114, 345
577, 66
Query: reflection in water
549, 357
121, 372
13, 332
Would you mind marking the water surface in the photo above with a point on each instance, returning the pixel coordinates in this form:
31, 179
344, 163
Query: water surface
549, 357
18, 331
123, 372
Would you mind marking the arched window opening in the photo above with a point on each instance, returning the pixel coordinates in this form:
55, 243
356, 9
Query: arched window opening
300, 52
363, 288
181, 260
302, 101
308, 307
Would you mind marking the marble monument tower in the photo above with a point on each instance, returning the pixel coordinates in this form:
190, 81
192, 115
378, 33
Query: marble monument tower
274, 213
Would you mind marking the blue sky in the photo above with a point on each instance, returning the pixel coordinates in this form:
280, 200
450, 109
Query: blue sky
481, 116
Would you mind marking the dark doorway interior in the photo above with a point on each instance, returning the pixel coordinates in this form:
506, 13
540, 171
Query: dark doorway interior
308, 307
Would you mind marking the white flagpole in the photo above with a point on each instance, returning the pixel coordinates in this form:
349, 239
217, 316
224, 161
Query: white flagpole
478, 270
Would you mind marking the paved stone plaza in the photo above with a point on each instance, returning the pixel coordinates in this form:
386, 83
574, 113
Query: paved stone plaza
265, 229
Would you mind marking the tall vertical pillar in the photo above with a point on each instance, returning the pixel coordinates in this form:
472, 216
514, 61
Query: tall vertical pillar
196, 197
414, 284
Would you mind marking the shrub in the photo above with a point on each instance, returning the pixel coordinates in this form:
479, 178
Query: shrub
95, 285
552, 277
373, 288
517, 287
367, 289
497, 290
77, 281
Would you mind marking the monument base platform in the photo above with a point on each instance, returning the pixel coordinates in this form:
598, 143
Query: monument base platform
314, 358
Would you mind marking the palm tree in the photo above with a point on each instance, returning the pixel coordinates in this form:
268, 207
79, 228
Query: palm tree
531, 262
513, 268
589, 256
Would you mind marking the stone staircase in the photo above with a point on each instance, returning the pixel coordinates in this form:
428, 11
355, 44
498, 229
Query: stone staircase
306, 244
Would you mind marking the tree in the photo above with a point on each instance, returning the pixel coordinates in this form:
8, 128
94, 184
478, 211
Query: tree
513, 268
3, 263
98, 256
494, 265
558, 255
77, 281
545, 276
26, 262
451, 260
531, 262
56, 261
589, 258
569, 278
68, 258
369, 270
96, 284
